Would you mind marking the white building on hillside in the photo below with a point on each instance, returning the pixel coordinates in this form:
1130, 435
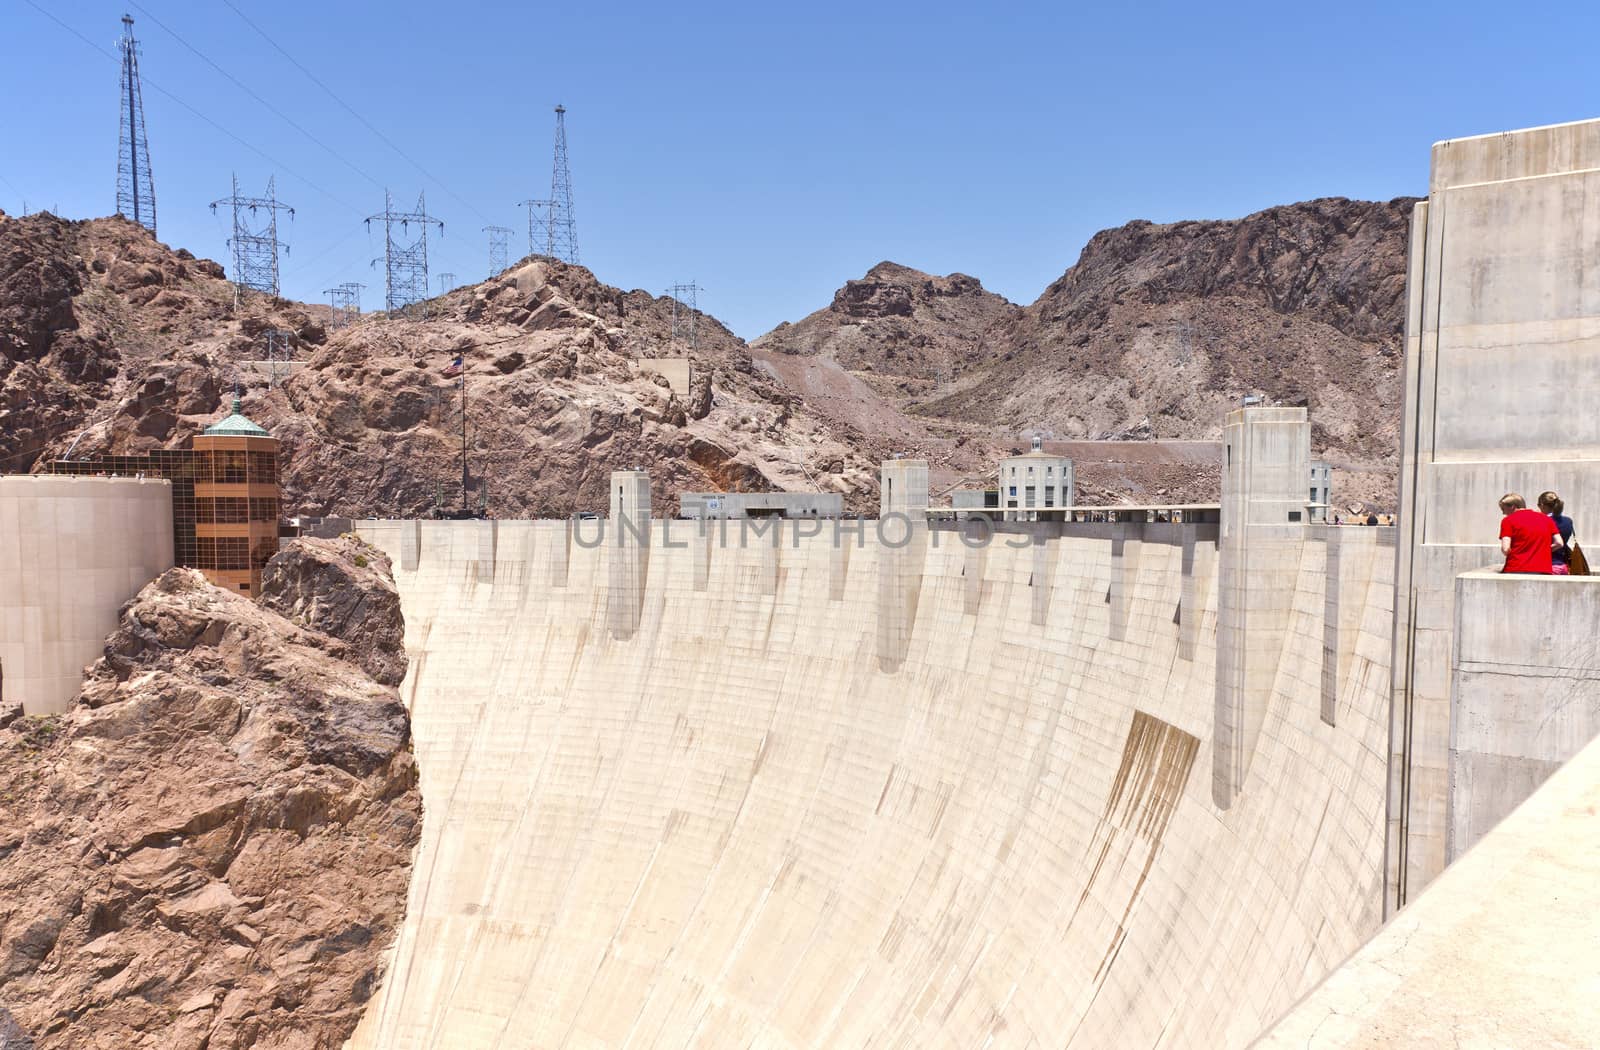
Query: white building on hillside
1035, 481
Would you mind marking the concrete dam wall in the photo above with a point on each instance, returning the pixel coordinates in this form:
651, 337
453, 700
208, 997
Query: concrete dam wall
918, 795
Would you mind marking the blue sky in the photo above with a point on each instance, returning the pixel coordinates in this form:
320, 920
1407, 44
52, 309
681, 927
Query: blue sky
772, 152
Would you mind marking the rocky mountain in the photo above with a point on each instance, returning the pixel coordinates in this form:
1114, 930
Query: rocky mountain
109, 341
1156, 331
212, 848
912, 331
102, 327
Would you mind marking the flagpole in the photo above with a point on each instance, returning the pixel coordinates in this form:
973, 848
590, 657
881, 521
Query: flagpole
463, 382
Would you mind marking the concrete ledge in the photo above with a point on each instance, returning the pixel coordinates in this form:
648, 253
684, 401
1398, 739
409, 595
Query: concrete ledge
1525, 693
1498, 952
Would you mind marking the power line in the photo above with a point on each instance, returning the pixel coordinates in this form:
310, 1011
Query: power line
345, 302
147, 82
405, 263
246, 89
354, 113
540, 241
499, 252
255, 249
685, 304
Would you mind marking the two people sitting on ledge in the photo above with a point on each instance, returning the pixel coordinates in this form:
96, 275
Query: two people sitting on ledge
1538, 542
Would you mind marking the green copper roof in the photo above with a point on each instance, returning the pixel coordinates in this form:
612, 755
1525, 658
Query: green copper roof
236, 425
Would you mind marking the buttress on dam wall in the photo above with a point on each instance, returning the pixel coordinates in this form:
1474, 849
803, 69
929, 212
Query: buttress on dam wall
819, 790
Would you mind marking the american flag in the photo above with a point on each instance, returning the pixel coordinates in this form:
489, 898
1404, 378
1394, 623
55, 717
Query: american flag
454, 369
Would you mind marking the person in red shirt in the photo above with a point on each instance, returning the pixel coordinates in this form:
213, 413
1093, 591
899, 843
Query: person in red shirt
1526, 537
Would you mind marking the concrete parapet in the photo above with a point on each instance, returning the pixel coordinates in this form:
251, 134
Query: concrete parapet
72, 550
1502, 368
1525, 692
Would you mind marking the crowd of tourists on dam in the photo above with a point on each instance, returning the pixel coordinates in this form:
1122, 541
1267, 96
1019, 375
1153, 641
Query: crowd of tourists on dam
1539, 542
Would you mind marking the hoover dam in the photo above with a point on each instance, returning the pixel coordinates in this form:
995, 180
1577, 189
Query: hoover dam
836, 795
1142, 778
1212, 775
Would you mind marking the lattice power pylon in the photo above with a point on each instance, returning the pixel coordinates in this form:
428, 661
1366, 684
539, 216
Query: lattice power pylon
447, 281
345, 301
685, 305
563, 237
499, 249
405, 261
280, 352
538, 228
255, 241
136, 188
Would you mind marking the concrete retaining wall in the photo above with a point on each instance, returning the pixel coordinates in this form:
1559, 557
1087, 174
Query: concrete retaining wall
1502, 368
1525, 693
72, 550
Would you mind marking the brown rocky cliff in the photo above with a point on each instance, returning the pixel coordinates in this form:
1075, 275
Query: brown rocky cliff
1155, 332
343, 588
911, 328
11, 1036
102, 327
212, 848
1174, 323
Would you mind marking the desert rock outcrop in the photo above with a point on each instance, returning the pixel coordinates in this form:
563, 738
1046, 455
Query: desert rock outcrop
212, 848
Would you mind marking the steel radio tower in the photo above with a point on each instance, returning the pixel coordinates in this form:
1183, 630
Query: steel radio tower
255, 243
563, 236
136, 189
405, 262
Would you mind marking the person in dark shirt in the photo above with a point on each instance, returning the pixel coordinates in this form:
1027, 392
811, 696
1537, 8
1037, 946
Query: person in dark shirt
1372, 518
1560, 557
1527, 537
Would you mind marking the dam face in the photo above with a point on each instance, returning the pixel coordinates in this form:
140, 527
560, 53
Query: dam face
820, 794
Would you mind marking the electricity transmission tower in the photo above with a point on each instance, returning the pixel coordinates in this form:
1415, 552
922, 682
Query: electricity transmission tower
345, 300
447, 281
684, 307
136, 189
539, 228
280, 351
255, 246
499, 248
405, 261
563, 237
